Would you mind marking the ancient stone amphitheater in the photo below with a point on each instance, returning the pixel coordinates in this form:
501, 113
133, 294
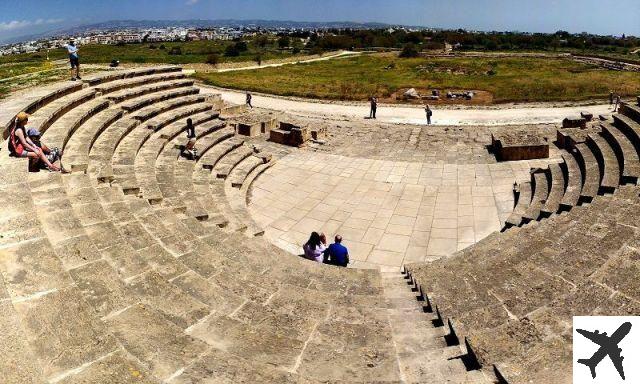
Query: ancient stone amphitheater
142, 267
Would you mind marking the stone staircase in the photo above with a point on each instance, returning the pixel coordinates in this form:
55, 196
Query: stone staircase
142, 266
595, 163
510, 298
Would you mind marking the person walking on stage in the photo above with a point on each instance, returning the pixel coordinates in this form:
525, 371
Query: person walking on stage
374, 107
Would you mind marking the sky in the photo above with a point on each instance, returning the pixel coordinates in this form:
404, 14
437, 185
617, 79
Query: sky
607, 17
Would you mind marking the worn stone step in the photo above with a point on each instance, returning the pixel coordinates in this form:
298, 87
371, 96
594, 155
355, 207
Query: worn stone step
573, 177
590, 171
627, 155
608, 163
524, 200
556, 190
132, 82
539, 198
108, 76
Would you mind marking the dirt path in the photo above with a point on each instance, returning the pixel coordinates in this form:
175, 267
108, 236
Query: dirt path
324, 58
412, 114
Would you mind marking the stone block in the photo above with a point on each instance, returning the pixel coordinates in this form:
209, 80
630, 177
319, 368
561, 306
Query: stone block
513, 146
574, 122
588, 116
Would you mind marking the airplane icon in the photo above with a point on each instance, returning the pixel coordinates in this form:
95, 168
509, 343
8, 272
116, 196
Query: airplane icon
608, 346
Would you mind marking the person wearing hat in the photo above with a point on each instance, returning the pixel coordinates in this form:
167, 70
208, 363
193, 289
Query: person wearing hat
74, 59
20, 145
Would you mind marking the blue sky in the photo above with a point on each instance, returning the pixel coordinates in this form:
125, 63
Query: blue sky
20, 17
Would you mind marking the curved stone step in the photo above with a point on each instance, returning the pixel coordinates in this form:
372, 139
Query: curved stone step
590, 172
631, 111
163, 120
77, 148
524, 200
237, 192
211, 159
150, 99
132, 93
556, 192
33, 101
231, 160
105, 77
629, 127
607, 162
243, 169
540, 195
47, 115
144, 164
132, 82
625, 151
59, 132
573, 179
179, 99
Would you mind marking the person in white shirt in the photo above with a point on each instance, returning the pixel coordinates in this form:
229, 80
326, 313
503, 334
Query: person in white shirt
74, 59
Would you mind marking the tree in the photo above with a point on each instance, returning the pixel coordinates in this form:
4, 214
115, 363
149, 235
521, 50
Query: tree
284, 42
231, 51
213, 59
241, 46
261, 41
409, 50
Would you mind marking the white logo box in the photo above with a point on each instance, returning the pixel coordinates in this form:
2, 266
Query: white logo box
586, 349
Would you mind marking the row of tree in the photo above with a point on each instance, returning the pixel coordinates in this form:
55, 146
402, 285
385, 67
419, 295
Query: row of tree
465, 40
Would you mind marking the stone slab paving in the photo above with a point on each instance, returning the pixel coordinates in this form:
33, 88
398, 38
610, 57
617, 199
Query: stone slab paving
388, 212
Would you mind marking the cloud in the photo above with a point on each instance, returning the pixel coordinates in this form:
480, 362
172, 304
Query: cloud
20, 24
192, 2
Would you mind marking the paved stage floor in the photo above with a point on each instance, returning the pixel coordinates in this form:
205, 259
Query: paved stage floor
388, 212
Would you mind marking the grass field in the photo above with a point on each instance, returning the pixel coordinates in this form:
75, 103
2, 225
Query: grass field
192, 52
507, 79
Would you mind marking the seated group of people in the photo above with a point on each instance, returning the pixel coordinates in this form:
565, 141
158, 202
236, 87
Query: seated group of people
316, 249
25, 142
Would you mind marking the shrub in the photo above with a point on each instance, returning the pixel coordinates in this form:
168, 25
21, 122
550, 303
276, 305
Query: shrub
231, 51
409, 50
213, 59
284, 42
175, 51
296, 50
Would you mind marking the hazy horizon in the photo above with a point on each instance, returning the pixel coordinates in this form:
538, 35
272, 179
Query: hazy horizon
27, 17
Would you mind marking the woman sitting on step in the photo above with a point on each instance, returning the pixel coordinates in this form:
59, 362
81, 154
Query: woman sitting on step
20, 145
314, 248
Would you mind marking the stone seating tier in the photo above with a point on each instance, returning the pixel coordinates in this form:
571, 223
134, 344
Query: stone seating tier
553, 269
106, 282
625, 151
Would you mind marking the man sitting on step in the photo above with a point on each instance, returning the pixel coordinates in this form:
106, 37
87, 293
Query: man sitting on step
337, 254
53, 154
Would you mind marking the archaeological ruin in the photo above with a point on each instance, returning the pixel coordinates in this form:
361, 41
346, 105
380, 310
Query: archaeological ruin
471, 248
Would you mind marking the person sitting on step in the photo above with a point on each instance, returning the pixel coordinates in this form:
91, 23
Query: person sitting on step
189, 150
20, 145
314, 249
53, 155
337, 254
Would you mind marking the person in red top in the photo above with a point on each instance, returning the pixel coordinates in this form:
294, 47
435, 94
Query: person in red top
20, 145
